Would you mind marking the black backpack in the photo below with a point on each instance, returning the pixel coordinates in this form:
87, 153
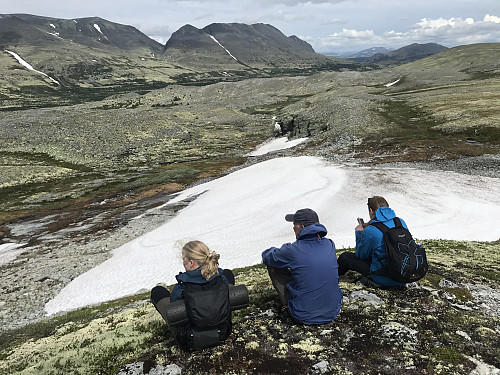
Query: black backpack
209, 313
406, 261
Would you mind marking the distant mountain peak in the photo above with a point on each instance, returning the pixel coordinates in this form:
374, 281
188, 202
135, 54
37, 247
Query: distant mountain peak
256, 45
412, 52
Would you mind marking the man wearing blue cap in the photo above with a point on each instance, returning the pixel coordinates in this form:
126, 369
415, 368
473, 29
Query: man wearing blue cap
305, 273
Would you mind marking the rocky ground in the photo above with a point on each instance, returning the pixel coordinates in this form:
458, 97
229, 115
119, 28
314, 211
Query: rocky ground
447, 323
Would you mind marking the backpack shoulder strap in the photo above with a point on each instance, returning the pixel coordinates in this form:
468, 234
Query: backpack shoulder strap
397, 222
382, 227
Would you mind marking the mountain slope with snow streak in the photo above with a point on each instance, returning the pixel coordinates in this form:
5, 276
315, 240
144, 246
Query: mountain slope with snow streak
28, 66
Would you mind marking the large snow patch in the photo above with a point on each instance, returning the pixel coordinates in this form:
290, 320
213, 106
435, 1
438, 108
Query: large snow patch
242, 214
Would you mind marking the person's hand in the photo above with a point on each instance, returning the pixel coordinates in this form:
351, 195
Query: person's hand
360, 226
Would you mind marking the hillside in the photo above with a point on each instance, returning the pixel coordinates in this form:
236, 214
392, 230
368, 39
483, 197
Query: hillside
258, 46
346, 114
74, 178
97, 58
447, 323
95, 32
407, 54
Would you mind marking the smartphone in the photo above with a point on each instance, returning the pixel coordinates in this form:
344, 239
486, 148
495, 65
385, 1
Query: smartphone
361, 221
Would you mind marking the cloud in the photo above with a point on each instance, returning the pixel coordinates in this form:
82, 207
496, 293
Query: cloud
493, 19
267, 3
449, 32
300, 2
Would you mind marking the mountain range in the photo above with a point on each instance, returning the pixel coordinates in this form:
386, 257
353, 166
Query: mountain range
387, 56
253, 46
99, 57
363, 54
75, 60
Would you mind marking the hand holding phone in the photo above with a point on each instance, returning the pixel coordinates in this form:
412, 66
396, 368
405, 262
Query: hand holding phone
360, 226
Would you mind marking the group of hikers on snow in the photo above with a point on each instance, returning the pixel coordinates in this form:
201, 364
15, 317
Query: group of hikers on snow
304, 273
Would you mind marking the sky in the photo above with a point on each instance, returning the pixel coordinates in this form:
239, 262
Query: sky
329, 26
242, 214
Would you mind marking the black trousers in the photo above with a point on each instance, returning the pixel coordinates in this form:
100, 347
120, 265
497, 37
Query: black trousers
280, 277
347, 261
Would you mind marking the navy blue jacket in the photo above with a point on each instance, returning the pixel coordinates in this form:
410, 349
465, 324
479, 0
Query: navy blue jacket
315, 296
193, 276
370, 244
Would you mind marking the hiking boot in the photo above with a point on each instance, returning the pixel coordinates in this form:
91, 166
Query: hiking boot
368, 282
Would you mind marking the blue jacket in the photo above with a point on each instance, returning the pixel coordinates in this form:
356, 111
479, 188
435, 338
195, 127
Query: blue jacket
370, 244
193, 276
315, 296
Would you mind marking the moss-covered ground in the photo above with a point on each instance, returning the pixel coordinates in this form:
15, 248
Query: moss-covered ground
440, 325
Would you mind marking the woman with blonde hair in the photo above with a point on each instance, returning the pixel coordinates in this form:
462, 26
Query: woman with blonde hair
203, 286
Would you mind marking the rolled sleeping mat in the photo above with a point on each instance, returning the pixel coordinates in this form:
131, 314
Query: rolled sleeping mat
176, 311
238, 297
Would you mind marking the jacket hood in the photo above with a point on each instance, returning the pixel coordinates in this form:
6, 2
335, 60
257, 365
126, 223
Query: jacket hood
312, 231
193, 276
384, 214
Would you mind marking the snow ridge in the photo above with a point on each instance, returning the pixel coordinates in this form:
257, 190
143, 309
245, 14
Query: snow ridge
216, 41
28, 66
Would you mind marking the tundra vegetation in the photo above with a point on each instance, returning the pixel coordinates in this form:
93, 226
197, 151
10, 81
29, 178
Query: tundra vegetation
118, 136
447, 323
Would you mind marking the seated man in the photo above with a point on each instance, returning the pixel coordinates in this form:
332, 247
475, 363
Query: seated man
304, 273
369, 256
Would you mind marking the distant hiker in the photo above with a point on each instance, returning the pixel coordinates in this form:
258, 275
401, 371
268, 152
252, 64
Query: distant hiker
371, 257
304, 273
204, 287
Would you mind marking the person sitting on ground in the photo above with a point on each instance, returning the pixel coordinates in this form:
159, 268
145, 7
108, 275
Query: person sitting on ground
369, 256
304, 273
210, 284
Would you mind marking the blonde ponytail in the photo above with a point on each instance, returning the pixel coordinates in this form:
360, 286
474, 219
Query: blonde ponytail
199, 252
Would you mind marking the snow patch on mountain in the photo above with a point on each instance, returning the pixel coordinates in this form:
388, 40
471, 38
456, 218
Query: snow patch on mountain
9, 251
28, 66
56, 34
229, 53
392, 83
96, 26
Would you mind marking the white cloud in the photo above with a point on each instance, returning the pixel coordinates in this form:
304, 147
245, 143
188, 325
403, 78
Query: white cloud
351, 38
449, 32
267, 3
489, 18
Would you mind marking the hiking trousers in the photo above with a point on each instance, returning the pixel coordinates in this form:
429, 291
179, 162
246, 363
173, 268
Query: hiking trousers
348, 262
280, 277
